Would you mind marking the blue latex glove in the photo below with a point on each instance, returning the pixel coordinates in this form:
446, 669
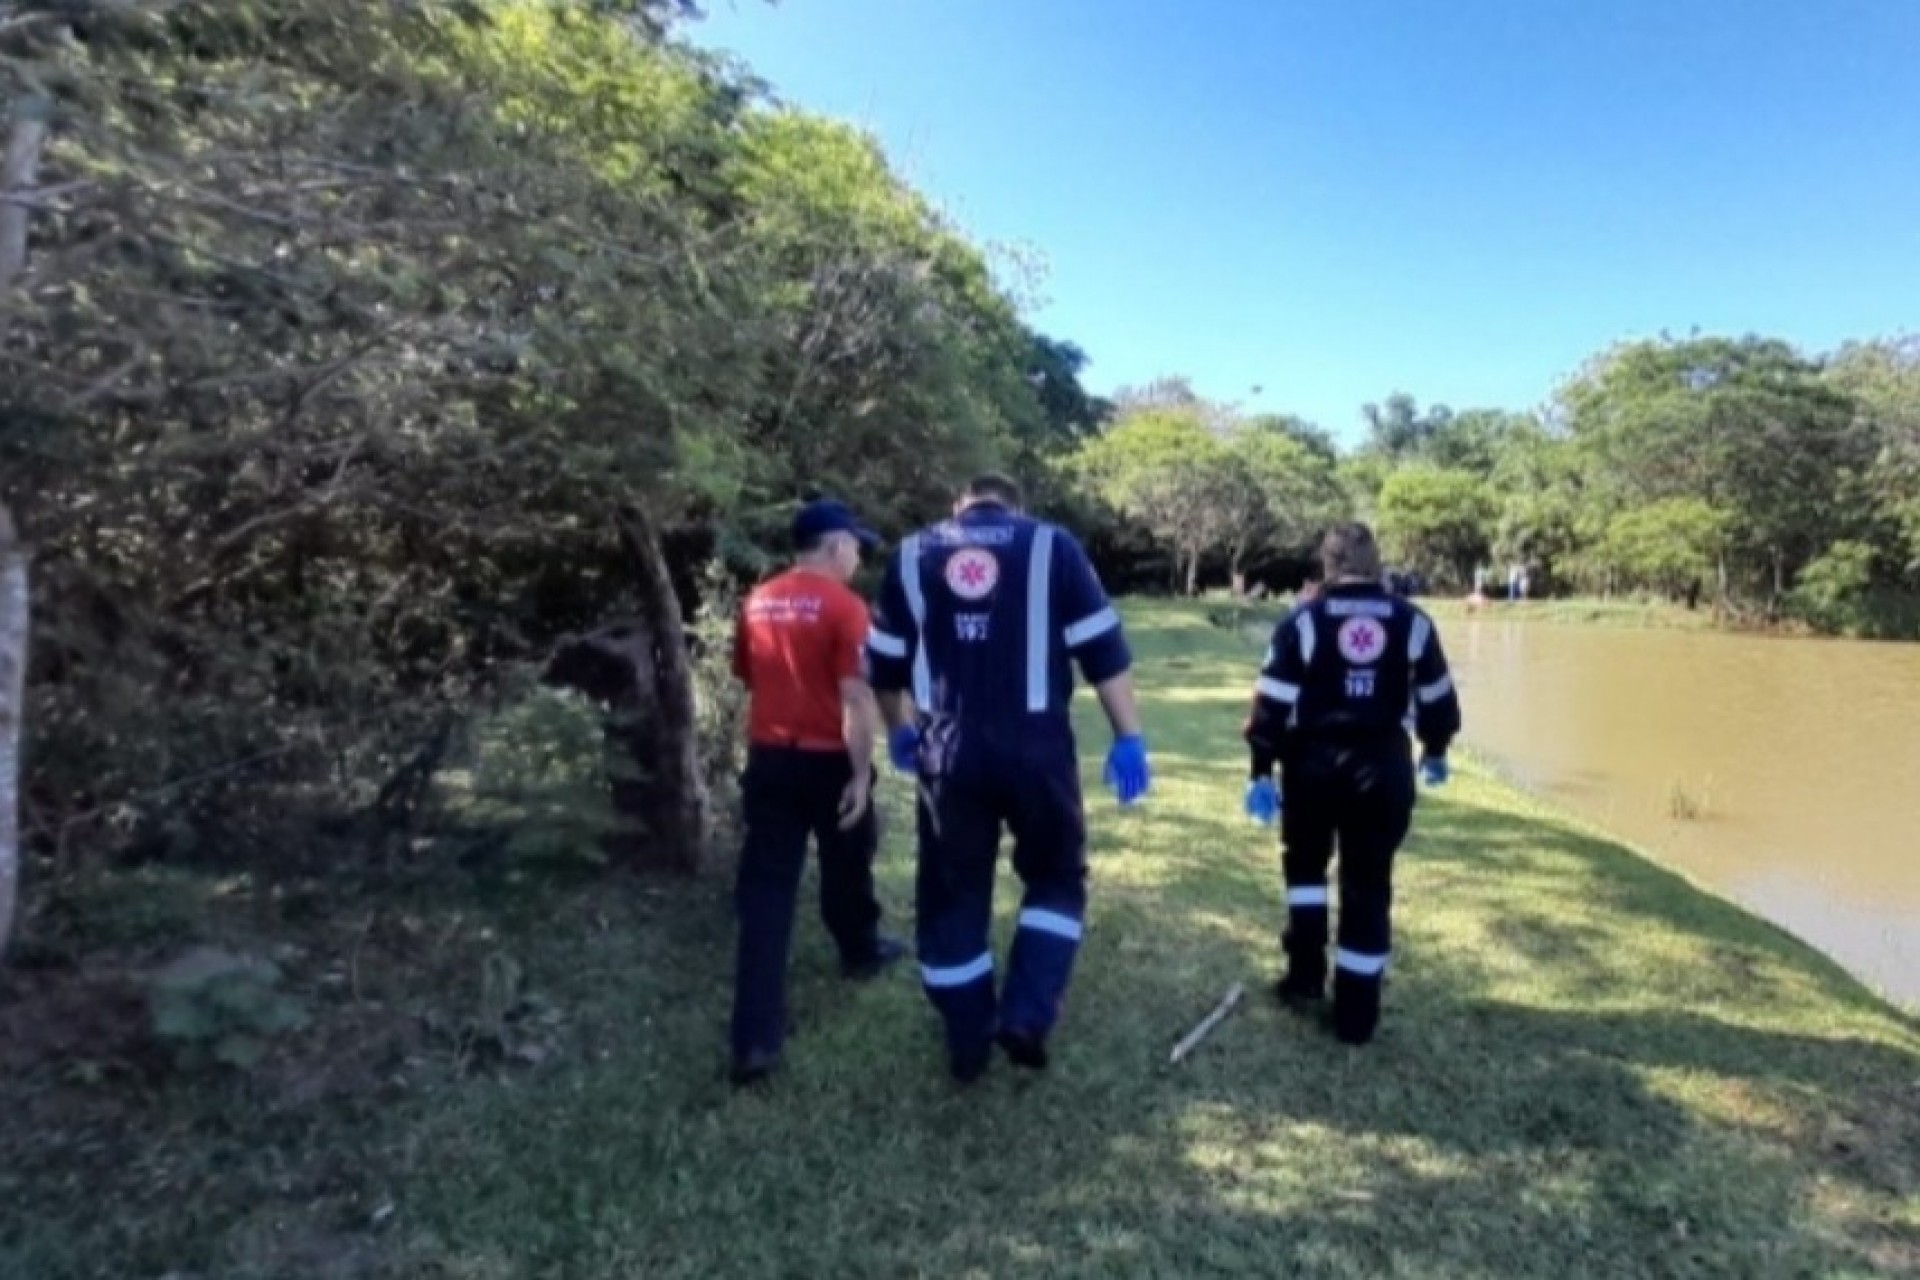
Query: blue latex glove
1263, 801
1127, 770
1433, 770
903, 747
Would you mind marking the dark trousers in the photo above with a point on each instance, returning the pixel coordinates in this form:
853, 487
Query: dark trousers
787, 795
1360, 798
974, 782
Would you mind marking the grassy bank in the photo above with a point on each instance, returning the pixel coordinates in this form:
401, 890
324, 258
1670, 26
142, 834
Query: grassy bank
1591, 610
1587, 1067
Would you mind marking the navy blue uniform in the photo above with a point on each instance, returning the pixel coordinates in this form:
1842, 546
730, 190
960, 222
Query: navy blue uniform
1345, 676
983, 618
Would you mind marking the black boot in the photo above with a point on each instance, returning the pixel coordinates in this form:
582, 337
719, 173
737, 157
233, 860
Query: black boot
753, 1067
1299, 987
887, 952
1023, 1048
1356, 1007
969, 1066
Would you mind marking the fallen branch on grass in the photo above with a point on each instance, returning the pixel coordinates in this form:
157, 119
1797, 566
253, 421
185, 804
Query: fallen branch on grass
1207, 1024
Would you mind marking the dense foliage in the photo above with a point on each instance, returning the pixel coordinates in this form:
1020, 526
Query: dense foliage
350, 328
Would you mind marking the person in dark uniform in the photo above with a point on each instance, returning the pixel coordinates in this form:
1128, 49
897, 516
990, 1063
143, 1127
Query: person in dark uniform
800, 650
979, 625
1344, 675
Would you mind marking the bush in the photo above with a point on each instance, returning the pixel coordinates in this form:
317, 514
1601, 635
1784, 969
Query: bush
1834, 591
537, 779
211, 1006
720, 701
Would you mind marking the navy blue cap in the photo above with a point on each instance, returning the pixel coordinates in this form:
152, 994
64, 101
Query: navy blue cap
827, 516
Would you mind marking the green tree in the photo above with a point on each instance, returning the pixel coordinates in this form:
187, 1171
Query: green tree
1747, 427
1437, 521
1882, 379
1164, 468
1670, 546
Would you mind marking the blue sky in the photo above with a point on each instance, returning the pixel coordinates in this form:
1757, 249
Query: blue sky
1332, 201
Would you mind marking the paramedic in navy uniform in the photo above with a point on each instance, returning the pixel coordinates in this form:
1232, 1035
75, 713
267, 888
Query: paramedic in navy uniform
1343, 676
980, 622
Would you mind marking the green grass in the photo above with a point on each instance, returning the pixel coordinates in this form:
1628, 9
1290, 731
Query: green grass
1587, 1067
1588, 610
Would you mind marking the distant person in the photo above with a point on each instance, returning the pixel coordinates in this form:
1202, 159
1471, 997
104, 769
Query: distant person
980, 623
811, 718
1330, 710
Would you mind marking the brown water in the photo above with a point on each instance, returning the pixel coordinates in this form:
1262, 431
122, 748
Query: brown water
1803, 757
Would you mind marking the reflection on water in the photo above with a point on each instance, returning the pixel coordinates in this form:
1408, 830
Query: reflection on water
1800, 757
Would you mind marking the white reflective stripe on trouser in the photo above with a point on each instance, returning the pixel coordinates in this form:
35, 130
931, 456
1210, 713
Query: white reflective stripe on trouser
958, 975
1039, 618
1307, 895
1367, 966
1052, 922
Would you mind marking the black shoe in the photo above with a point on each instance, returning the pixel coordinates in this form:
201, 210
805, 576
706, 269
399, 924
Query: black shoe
1353, 1031
1295, 990
1024, 1049
887, 952
969, 1067
1356, 1008
753, 1068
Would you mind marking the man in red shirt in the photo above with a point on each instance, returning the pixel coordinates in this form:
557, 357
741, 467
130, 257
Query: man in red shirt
799, 648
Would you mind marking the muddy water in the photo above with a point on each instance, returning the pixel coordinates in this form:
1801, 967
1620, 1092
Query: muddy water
1798, 761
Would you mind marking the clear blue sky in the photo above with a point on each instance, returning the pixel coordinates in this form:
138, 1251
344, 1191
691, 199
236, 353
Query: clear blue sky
1335, 200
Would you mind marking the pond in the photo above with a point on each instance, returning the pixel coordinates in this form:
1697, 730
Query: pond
1783, 773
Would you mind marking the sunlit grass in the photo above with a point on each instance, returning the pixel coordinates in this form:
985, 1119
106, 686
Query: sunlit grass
1587, 1067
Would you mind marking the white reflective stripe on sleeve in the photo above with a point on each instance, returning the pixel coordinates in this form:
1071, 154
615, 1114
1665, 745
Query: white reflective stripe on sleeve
1304, 625
1417, 641
1092, 627
958, 975
888, 646
1307, 895
1367, 966
1437, 690
1039, 617
917, 606
1278, 690
1051, 922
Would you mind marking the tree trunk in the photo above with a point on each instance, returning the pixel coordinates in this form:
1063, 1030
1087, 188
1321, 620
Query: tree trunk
19, 167
13, 672
26, 134
639, 669
1193, 575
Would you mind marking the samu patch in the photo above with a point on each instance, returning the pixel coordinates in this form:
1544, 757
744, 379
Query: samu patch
973, 573
1361, 641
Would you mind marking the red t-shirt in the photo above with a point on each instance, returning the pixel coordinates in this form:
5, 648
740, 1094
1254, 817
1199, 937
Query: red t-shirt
800, 634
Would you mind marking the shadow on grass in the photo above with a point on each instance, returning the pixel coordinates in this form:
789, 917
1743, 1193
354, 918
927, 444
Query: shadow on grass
1587, 1068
